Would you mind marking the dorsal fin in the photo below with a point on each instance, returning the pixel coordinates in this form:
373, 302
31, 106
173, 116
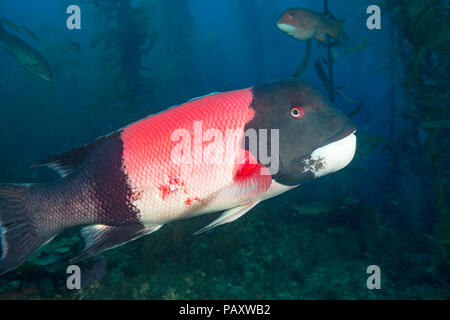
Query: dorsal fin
68, 162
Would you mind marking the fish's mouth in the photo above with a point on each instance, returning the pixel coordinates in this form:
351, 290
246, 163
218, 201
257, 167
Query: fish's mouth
332, 155
338, 136
289, 29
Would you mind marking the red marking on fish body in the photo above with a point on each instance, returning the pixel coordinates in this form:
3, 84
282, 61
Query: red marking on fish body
190, 200
252, 173
150, 138
172, 186
165, 191
248, 167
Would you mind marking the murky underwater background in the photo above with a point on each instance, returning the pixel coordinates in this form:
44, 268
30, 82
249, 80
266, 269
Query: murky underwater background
389, 207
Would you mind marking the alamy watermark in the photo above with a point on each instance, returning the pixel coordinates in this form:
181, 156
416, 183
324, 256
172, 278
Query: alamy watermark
74, 280
374, 280
74, 20
219, 147
374, 21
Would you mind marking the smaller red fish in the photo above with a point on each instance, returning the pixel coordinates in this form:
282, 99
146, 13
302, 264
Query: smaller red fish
303, 24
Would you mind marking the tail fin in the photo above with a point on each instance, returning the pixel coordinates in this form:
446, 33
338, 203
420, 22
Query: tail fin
19, 239
336, 29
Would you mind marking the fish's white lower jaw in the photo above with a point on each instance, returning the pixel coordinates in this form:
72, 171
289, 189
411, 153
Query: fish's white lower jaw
286, 28
332, 157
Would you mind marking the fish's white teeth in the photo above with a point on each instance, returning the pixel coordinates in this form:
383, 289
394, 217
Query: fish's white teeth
332, 157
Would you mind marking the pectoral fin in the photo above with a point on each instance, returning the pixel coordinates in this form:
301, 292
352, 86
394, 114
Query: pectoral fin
320, 36
229, 216
251, 178
99, 238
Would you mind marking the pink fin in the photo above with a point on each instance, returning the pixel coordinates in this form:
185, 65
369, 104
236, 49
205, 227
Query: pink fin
229, 216
251, 178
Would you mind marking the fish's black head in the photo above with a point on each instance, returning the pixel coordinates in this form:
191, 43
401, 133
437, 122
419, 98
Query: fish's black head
314, 137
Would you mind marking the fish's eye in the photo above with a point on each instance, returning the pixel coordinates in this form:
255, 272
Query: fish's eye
297, 112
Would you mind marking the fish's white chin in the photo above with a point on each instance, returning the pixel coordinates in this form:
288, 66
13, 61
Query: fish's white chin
332, 157
286, 28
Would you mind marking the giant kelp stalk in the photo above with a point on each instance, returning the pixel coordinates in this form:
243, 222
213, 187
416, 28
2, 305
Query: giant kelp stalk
392, 101
304, 64
127, 37
424, 26
330, 87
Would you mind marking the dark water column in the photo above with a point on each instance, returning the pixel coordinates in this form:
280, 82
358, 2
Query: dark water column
130, 58
253, 34
178, 26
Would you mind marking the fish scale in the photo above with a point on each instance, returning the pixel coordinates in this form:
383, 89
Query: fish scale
148, 164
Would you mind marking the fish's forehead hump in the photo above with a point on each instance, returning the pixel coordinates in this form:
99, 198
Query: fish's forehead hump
290, 88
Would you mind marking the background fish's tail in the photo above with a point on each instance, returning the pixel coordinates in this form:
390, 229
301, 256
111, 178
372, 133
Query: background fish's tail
336, 29
18, 237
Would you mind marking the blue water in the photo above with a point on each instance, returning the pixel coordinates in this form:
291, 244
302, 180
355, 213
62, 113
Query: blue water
375, 216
